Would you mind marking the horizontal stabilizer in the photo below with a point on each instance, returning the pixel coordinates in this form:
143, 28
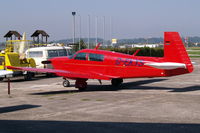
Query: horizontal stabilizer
166, 65
5, 72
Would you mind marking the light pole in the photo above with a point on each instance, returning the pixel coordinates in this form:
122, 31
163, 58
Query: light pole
73, 14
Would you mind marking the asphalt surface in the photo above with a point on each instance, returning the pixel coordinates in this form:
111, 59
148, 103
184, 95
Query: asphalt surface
145, 105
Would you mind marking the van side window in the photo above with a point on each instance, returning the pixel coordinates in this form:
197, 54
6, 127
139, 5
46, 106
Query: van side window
62, 52
35, 54
95, 57
80, 56
52, 53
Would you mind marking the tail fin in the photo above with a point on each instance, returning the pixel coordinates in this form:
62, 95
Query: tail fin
174, 50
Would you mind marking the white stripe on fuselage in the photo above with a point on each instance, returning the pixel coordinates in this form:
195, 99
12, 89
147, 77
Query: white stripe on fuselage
166, 65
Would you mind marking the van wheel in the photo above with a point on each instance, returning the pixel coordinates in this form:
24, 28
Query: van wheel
28, 76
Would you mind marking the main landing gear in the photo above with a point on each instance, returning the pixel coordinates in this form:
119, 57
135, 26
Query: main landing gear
116, 82
81, 84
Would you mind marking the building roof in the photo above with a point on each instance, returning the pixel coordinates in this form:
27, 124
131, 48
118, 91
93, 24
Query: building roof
38, 32
10, 33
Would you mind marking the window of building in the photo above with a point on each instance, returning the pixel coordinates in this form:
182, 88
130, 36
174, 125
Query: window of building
95, 57
80, 56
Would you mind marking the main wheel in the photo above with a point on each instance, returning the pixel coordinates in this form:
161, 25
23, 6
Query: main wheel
66, 83
116, 82
81, 84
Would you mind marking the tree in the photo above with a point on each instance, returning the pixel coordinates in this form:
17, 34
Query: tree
82, 45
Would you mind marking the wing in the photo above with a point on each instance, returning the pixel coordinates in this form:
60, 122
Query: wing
166, 65
66, 73
5, 72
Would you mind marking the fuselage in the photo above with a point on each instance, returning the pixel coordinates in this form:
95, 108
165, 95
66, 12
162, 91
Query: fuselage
113, 64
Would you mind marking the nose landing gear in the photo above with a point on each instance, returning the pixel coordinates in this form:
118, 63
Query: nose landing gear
81, 84
66, 83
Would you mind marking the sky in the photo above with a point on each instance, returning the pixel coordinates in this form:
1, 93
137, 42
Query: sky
130, 18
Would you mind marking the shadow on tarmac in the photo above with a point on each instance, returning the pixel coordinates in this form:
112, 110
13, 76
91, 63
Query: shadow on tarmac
26, 126
17, 108
125, 86
21, 79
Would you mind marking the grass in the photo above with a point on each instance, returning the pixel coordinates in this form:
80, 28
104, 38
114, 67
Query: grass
194, 56
194, 52
193, 48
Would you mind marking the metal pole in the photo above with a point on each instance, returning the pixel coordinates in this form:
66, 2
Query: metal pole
79, 32
111, 30
104, 30
73, 13
8, 86
96, 30
88, 31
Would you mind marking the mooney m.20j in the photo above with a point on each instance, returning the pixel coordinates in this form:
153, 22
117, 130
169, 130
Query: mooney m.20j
107, 65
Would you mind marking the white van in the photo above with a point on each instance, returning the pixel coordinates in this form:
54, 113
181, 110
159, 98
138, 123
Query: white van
40, 54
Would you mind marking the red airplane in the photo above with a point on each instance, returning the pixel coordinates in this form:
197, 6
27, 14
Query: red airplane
107, 65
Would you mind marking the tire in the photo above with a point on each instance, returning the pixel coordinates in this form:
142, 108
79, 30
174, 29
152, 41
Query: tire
66, 83
116, 82
28, 76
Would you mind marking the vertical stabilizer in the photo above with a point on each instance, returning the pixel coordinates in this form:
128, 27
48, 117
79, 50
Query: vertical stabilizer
174, 50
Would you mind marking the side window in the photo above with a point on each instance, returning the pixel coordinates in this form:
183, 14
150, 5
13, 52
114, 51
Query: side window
95, 57
62, 52
35, 54
52, 53
80, 56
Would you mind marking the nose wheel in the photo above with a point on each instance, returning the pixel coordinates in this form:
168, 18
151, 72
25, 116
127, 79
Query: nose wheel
66, 83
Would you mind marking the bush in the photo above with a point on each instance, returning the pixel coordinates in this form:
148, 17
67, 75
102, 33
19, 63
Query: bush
146, 51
